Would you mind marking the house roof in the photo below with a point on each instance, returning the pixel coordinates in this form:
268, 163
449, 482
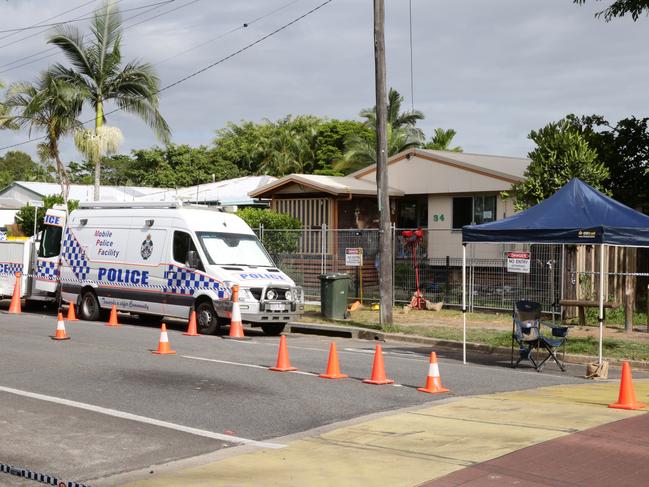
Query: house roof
502, 167
85, 192
334, 185
229, 192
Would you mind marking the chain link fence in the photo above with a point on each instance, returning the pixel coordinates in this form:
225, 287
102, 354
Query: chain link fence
305, 254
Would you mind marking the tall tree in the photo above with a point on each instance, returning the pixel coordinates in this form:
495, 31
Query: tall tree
442, 140
624, 149
619, 8
19, 166
561, 153
402, 134
52, 106
100, 75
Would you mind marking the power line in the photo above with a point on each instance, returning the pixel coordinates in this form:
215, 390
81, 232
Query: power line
29, 36
227, 33
55, 50
412, 82
54, 16
199, 71
78, 19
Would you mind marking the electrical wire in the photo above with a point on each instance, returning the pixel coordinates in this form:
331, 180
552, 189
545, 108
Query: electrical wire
225, 34
412, 79
199, 71
54, 50
54, 16
78, 19
29, 36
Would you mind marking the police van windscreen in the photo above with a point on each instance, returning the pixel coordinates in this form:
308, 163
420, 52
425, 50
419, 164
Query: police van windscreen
233, 249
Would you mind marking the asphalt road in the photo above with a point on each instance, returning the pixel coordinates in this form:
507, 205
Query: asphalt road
105, 404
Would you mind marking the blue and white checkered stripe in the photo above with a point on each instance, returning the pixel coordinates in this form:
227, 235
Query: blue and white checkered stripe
10, 268
75, 256
184, 281
46, 270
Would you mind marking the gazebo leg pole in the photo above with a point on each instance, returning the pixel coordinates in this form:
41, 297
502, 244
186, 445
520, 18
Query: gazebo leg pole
601, 299
464, 303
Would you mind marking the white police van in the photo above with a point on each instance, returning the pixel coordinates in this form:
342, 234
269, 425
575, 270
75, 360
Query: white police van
158, 259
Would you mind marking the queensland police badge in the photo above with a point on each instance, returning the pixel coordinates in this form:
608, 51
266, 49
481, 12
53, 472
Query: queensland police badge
147, 247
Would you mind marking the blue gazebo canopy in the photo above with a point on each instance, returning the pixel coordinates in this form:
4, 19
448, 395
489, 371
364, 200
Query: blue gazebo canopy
576, 214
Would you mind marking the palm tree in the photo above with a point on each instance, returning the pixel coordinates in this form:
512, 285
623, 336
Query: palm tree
52, 106
401, 133
360, 151
442, 141
395, 118
99, 74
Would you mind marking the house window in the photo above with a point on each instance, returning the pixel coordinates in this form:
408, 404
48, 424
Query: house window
477, 209
413, 213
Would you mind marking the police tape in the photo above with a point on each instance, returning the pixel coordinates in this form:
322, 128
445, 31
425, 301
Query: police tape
173, 288
161, 287
38, 477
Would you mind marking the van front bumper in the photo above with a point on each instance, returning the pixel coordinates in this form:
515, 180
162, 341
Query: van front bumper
256, 313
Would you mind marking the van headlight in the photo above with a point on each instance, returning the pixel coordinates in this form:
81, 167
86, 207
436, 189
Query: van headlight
271, 295
288, 295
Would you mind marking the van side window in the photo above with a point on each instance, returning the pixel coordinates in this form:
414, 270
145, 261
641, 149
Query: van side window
182, 243
50, 242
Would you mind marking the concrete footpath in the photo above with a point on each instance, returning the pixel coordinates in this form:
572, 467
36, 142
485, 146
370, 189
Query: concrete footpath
414, 447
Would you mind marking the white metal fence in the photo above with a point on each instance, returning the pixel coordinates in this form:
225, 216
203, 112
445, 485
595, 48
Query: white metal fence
438, 261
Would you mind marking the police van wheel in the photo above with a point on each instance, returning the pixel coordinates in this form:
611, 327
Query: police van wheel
273, 329
89, 309
207, 320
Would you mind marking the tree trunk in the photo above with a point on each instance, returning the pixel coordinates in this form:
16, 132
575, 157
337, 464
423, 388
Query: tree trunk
629, 288
99, 121
385, 237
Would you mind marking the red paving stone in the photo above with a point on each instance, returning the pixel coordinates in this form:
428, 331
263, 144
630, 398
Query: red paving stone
613, 455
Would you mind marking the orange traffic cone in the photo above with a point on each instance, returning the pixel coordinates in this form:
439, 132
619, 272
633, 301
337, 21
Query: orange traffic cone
378, 370
236, 327
433, 381
60, 329
14, 306
333, 367
283, 361
72, 316
626, 399
163, 345
191, 327
112, 321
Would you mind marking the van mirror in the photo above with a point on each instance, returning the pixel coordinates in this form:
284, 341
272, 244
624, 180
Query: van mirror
192, 260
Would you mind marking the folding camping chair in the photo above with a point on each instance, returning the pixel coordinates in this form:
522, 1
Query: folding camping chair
526, 331
551, 344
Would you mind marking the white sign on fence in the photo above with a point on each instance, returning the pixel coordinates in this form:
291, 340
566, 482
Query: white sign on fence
354, 256
518, 262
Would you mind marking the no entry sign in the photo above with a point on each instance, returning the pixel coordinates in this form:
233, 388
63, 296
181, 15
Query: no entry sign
518, 262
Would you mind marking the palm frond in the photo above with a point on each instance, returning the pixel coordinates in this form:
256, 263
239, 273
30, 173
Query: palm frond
70, 40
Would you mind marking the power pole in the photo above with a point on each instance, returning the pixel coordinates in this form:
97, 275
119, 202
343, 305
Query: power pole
385, 228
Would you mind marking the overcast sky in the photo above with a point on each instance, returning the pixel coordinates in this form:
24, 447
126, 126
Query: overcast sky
492, 70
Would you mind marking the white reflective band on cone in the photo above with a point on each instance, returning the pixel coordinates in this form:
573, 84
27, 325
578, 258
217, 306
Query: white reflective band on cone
433, 370
236, 312
163, 337
60, 325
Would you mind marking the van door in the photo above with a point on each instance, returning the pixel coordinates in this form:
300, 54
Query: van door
145, 255
47, 265
181, 280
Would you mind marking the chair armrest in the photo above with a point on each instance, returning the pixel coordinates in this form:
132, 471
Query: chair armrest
557, 330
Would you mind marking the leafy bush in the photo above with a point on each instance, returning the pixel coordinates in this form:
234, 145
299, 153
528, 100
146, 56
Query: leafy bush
280, 234
25, 216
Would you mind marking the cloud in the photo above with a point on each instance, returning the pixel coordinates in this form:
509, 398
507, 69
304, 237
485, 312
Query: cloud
491, 70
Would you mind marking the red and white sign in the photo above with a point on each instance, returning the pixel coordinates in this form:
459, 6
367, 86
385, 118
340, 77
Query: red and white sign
518, 262
354, 256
